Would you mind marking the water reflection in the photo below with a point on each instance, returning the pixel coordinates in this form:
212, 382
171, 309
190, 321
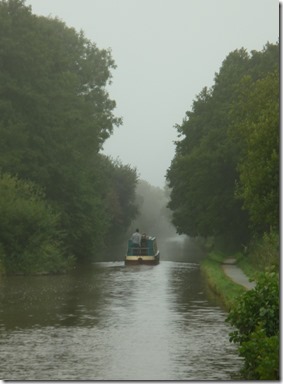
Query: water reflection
114, 322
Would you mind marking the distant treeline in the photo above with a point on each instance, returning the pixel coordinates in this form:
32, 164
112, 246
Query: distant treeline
154, 218
61, 200
225, 173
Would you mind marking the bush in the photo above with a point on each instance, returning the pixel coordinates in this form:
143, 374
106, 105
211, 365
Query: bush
261, 355
265, 252
256, 319
30, 239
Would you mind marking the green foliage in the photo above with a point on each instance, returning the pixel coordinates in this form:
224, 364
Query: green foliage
55, 114
261, 355
265, 252
244, 262
257, 306
224, 176
30, 238
256, 318
119, 198
258, 167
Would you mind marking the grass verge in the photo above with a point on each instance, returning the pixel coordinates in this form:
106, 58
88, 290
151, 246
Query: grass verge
245, 264
217, 280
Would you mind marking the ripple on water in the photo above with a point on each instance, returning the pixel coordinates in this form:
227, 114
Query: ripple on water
115, 323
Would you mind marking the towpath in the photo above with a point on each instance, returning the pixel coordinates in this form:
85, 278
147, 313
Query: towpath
236, 274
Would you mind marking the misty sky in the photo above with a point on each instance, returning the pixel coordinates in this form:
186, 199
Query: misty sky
166, 51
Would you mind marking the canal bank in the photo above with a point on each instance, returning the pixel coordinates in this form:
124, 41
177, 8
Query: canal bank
236, 274
225, 278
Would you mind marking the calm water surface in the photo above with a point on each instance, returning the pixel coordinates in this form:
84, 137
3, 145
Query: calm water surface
114, 322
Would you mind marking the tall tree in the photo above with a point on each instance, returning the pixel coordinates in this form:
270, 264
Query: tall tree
204, 172
258, 131
55, 114
53, 81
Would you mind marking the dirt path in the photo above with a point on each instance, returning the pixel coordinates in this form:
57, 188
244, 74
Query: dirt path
236, 274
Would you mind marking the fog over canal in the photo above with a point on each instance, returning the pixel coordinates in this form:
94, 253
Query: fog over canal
115, 322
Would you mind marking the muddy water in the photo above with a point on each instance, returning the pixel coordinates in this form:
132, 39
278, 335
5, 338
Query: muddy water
114, 322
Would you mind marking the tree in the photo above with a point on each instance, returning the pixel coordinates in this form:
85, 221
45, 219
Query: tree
119, 198
203, 173
55, 114
210, 157
53, 80
259, 164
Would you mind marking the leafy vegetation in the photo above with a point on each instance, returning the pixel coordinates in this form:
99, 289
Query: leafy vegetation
217, 280
225, 173
254, 314
259, 164
31, 240
263, 253
256, 318
55, 114
224, 182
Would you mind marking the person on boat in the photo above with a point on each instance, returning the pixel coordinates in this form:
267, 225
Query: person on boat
136, 240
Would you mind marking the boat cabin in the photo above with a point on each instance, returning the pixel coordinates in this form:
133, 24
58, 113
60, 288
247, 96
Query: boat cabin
147, 253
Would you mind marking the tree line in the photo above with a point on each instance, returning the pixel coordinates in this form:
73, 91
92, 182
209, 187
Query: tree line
224, 177
224, 182
61, 199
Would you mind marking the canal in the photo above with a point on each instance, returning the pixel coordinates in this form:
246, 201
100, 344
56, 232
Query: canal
114, 322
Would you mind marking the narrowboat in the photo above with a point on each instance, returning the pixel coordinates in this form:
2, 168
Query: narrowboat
147, 253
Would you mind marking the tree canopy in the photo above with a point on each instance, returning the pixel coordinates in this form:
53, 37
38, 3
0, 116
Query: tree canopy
224, 176
55, 115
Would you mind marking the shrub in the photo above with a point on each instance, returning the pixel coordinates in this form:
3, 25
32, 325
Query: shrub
30, 239
261, 355
256, 319
265, 252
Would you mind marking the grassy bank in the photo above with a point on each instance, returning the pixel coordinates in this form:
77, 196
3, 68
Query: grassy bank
255, 314
217, 280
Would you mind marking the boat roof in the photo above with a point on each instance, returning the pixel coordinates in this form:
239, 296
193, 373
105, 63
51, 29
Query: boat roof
151, 238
